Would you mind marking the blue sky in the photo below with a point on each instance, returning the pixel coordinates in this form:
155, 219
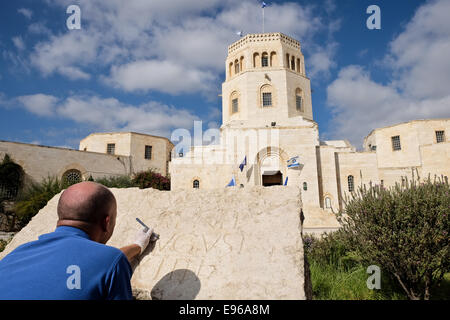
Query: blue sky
154, 66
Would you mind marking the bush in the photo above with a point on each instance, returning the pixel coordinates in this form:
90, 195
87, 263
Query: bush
3, 244
151, 179
11, 178
403, 230
332, 249
35, 196
116, 182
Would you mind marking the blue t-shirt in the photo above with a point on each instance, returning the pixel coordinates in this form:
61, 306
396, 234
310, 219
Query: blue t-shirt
64, 265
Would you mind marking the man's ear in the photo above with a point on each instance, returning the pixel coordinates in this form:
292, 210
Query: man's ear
105, 223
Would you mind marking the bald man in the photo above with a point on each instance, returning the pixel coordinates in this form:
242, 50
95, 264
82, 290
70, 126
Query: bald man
73, 262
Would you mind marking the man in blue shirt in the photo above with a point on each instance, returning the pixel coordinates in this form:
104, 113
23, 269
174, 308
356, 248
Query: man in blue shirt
73, 262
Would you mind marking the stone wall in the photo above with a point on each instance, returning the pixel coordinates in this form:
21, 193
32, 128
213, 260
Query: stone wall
233, 243
39, 162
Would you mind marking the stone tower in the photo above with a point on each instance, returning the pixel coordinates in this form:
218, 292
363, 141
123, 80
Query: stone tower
265, 82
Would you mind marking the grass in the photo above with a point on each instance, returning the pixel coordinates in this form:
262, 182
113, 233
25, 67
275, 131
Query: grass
330, 282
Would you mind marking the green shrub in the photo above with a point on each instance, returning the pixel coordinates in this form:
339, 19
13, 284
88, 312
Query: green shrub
151, 179
403, 230
116, 182
333, 249
3, 244
11, 178
35, 196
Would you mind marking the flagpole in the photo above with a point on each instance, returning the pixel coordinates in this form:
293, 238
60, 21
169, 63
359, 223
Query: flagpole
263, 19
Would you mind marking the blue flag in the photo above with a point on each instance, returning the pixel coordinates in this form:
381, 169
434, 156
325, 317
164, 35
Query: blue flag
292, 162
263, 5
232, 183
285, 181
243, 164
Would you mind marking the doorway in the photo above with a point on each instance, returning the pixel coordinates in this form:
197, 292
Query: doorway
272, 178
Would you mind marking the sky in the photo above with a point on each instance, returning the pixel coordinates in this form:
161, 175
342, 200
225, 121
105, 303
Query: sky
156, 66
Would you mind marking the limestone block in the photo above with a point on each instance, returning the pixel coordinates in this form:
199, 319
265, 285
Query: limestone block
231, 243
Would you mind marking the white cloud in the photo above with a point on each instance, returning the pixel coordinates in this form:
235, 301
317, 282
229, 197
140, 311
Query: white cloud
418, 60
39, 28
164, 76
170, 36
18, 43
26, 12
66, 54
107, 114
40, 104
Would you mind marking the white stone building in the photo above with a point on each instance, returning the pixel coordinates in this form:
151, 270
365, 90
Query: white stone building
268, 119
99, 155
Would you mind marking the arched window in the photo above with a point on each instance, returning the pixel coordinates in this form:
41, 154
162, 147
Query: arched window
71, 177
265, 59
256, 60
267, 96
327, 202
351, 183
298, 100
230, 69
287, 60
236, 66
273, 59
196, 184
234, 102
241, 64
293, 63
298, 65
305, 186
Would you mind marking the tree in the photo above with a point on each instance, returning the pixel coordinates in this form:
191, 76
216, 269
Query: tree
11, 178
403, 230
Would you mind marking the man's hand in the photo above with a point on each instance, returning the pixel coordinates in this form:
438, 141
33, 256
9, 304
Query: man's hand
143, 238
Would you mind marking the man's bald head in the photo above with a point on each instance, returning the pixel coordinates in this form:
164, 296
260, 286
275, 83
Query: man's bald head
87, 202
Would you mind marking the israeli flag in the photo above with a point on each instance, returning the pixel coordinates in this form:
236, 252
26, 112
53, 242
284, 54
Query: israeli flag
285, 181
232, 183
263, 5
292, 162
243, 164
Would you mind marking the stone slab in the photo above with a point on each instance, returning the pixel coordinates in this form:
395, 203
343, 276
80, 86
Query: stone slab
232, 243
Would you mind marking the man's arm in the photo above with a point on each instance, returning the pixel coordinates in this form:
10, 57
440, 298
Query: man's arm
131, 251
135, 249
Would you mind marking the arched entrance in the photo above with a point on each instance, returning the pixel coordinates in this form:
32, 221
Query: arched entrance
270, 169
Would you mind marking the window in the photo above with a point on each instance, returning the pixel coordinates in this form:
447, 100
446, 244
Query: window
440, 136
148, 152
382, 183
267, 99
236, 67
265, 60
373, 148
71, 177
273, 59
396, 143
196, 184
305, 186
111, 148
256, 60
327, 202
234, 105
351, 183
298, 100
293, 63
